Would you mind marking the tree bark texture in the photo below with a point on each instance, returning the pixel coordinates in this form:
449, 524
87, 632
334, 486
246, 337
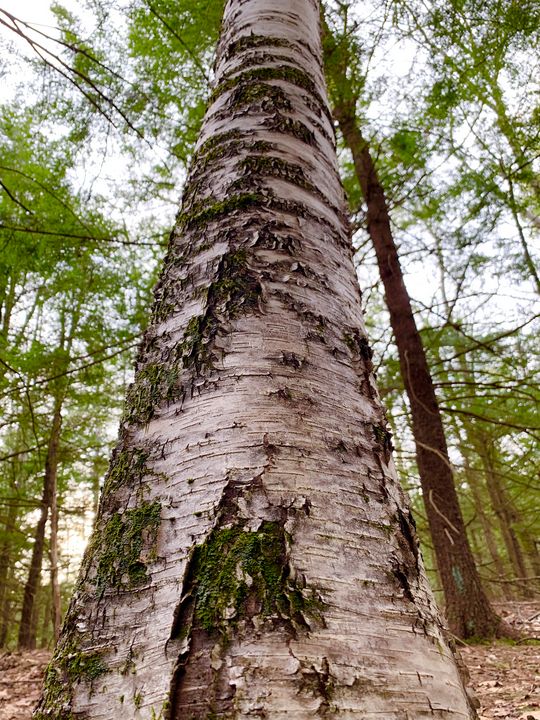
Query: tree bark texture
254, 555
467, 608
54, 557
28, 624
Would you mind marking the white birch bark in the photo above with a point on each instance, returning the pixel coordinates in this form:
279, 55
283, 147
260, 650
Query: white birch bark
255, 411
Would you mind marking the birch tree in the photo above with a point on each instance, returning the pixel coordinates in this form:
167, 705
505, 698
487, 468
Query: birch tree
253, 554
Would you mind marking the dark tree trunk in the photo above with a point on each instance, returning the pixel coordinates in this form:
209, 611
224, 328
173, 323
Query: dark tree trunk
28, 626
485, 522
54, 557
467, 608
5, 564
506, 515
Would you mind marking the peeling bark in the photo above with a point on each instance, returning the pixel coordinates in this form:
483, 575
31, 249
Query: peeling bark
254, 555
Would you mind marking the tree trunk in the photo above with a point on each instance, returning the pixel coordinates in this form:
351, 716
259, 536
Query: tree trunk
28, 625
485, 522
6, 614
254, 555
532, 548
46, 622
505, 512
5, 565
53, 551
467, 608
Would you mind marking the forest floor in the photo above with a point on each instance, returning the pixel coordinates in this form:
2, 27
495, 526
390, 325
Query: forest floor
505, 676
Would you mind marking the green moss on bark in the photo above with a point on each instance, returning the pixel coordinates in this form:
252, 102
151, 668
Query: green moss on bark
69, 666
270, 97
225, 144
154, 384
128, 466
288, 126
286, 73
238, 573
251, 42
235, 289
207, 212
120, 561
272, 166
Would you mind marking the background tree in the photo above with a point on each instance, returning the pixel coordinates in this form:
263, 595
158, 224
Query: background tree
467, 607
66, 311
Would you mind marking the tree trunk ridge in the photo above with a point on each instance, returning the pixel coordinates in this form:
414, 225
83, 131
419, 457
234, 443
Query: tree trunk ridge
254, 555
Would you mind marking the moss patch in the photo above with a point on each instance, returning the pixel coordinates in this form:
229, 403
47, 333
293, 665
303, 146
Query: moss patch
127, 467
286, 73
235, 289
154, 383
269, 97
288, 126
237, 573
216, 143
250, 42
121, 543
68, 666
207, 212
227, 143
277, 168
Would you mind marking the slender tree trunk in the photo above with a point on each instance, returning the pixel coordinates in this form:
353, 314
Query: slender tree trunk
505, 513
6, 610
46, 622
485, 522
28, 626
53, 551
467, 608
532, 548
7, 304
254, 555
5, 565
